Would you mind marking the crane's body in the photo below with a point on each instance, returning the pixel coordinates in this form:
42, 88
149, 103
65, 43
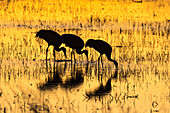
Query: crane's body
74, 42
99, 45
52, 38
102, 47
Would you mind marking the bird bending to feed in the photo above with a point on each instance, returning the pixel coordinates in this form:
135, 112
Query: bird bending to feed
102, 47
52, 38
74, 42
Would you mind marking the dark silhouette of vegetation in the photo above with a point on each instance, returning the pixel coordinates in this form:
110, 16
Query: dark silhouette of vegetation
137, 1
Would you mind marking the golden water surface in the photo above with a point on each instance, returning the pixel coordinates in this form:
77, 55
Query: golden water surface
137, 30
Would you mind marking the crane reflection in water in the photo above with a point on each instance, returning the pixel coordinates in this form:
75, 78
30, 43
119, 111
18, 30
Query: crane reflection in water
102, 90
72, 75
75, 79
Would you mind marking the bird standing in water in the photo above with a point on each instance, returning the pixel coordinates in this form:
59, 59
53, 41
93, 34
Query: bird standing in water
52, 38
74, 42
103, 48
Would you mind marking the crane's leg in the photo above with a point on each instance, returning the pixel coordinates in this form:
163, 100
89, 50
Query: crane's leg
74, 57
102, 61
99, 58
87, 65
71, 55
54, 54
47, 54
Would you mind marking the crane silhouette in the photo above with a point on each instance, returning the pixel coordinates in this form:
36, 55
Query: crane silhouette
103, 48
52, 38
74, 42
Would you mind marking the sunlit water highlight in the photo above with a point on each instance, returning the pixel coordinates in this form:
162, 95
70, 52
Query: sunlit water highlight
70, 88
141, 31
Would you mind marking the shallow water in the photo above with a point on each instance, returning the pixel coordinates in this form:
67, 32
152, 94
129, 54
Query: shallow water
141, 32
81, 87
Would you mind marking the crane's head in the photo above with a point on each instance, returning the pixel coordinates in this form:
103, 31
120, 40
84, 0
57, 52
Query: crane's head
89, 43
40, 33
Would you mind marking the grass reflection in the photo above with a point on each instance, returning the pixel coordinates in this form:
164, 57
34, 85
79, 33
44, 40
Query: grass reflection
137, 32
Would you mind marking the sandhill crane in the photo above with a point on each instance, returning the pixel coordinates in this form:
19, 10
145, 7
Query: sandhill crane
74, 42
52, 38
102, 47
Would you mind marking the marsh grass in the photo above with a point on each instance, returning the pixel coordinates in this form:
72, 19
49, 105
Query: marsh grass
142, 29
